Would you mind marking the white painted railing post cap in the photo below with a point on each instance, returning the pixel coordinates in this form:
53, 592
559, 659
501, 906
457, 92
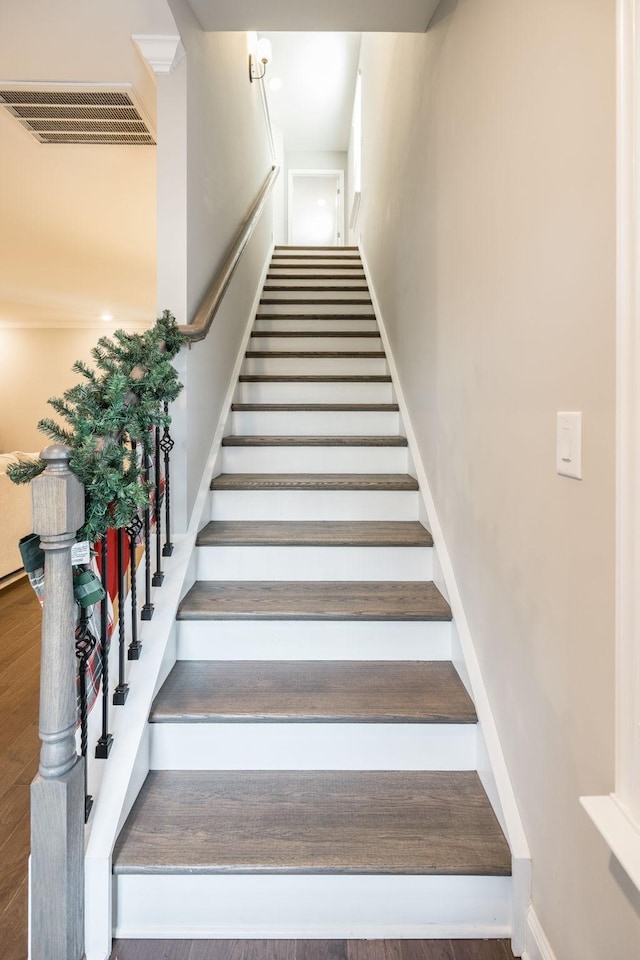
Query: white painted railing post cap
57, 496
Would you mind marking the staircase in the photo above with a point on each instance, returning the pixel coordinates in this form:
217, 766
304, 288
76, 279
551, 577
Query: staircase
313, 750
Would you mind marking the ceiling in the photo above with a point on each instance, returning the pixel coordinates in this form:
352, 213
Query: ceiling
388, 16
313, 107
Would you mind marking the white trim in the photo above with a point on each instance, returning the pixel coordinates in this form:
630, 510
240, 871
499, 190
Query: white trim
619, 830
607, 812
162, 53
628, 413
508, 814
538, 946
315, 173
327, 906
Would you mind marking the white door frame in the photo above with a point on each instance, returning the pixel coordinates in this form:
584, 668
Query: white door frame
617, 815
316, 173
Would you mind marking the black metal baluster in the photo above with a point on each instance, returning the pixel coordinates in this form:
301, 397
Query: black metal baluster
133, 532
85, 645
103, 747
121, 692
166, 445
158, 576
147, 610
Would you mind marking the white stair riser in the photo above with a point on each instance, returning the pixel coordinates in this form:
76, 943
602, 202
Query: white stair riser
315, 343
309, 306
313, 746
333, 251
312, 423
314, 640
208, 906
319, 504
324, 366
314, 459
325, 323
331, 273
314, 563
361, 295
297, 391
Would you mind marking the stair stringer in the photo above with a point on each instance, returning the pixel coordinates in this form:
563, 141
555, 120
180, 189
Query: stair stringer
492, 767
129, 761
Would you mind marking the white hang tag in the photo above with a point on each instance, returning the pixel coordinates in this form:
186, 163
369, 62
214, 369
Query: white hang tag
80, 553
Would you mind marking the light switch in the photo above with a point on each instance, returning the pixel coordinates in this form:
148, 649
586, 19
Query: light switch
569, 445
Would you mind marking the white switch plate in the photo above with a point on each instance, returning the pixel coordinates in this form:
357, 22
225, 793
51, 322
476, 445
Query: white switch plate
569, 445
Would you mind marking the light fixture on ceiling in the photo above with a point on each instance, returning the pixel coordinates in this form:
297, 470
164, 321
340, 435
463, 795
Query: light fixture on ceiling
107, 317
259, 59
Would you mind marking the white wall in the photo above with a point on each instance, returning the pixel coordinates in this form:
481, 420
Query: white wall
488, 223
227, 161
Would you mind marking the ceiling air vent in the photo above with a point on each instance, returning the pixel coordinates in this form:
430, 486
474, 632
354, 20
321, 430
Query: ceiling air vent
75, 115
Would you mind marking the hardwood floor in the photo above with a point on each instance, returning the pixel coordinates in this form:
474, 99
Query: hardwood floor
311, 950
20, 619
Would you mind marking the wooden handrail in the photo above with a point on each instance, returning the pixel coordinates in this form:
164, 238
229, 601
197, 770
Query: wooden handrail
212, 299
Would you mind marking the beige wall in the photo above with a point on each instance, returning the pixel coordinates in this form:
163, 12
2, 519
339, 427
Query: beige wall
488, 223
77, 222
35, 365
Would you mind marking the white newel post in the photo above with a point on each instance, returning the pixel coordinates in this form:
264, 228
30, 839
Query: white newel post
57, 792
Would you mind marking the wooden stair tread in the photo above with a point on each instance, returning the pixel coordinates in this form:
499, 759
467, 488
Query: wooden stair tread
303, 533
312, 276
314, 481
308, 822
329, 354
308, 691
316, 300
316, 256
341, 288
314, 378
340, 265
318, 407
313, 246
313, 441
359, 334
315, 316
314, 600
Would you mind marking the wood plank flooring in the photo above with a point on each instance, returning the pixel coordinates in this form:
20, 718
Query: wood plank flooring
303, 407
327, 691
314, 600
311, 950
316, 533
20, 624
312, 822
246, 440
314, 378
314, 481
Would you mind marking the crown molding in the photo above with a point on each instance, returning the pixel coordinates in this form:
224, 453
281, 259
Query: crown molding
162, 52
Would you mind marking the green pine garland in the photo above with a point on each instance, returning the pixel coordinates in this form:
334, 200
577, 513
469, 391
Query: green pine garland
114, 406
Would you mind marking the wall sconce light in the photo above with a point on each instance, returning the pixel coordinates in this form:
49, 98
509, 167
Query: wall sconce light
259, 59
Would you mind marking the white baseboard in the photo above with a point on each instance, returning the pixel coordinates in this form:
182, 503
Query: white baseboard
538, 946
